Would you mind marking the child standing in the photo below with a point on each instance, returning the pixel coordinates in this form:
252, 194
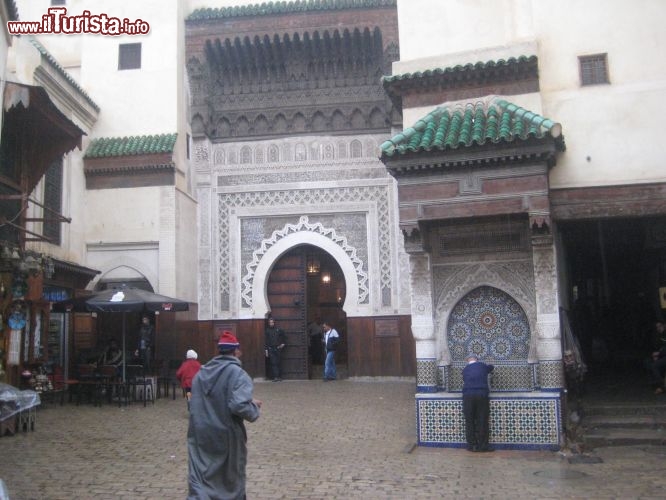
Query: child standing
188, 369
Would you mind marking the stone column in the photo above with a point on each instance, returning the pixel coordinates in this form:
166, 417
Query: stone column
549, 343
202, 168
423, 326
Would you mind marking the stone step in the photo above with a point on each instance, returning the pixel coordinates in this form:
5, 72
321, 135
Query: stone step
657, 409
623, 436
626, 421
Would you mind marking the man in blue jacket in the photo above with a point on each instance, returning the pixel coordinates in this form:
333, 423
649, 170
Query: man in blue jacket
476, 403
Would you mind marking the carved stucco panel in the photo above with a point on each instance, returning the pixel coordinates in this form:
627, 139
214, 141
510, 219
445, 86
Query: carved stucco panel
549, 349
421, 281
303, 225
306, 198
204, 218
201, 153
545, 278
204, 289
404, 273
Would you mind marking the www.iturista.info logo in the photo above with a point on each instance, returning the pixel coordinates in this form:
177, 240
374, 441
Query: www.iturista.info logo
56, 21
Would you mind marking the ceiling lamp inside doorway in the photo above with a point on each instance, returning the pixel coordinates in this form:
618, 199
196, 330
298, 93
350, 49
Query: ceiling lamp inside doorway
313, 265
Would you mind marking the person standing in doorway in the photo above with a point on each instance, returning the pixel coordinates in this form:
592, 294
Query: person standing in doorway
216, 438
657, 365
331, 341
274, 341
146, 337
476, 403
315, 332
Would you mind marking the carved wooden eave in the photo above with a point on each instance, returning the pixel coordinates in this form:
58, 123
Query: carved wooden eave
294, 73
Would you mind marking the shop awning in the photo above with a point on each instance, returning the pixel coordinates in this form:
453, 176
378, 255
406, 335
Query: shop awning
34, 133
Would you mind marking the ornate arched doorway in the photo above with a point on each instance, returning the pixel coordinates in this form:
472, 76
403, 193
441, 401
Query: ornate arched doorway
306, 283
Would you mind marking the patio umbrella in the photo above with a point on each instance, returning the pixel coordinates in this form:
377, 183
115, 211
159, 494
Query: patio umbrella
122, 300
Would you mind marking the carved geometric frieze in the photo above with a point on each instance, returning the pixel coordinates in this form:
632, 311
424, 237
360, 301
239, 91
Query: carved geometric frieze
302, 149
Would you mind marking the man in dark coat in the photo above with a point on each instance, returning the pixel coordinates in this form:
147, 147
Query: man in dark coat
146, 339
476, 403
216, 438
274, 341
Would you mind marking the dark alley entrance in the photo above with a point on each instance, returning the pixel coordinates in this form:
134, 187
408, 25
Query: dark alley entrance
615, 269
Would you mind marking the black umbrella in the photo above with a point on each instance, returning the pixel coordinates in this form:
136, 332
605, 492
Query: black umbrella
124, 299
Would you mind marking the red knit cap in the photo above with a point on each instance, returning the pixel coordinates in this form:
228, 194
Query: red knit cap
228, 342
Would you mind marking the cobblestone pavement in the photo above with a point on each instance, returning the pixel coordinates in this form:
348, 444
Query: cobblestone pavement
314, 440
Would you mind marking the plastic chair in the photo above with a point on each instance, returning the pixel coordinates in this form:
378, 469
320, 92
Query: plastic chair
88, 383
112, 383
169, 378
137, 379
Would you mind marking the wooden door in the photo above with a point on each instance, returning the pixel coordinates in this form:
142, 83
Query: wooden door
286, 298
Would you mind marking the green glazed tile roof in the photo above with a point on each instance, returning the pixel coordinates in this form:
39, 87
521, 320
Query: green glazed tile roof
42, 50
460, 68
456, 126
272, 8
129, 146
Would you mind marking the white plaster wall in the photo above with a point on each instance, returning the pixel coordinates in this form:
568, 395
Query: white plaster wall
123, 214
186, 248
615, 125
429, 28
141, 101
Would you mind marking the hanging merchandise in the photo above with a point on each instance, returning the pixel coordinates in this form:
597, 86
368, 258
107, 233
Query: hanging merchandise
17, 318
14, 354
19, 286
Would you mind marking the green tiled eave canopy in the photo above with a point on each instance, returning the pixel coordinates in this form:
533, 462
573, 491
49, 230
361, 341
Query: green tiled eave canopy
106, 147
285, 7
455, 126
388, 80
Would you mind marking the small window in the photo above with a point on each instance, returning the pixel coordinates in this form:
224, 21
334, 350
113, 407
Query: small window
58, 2
53, 201
593, 69
129, 56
